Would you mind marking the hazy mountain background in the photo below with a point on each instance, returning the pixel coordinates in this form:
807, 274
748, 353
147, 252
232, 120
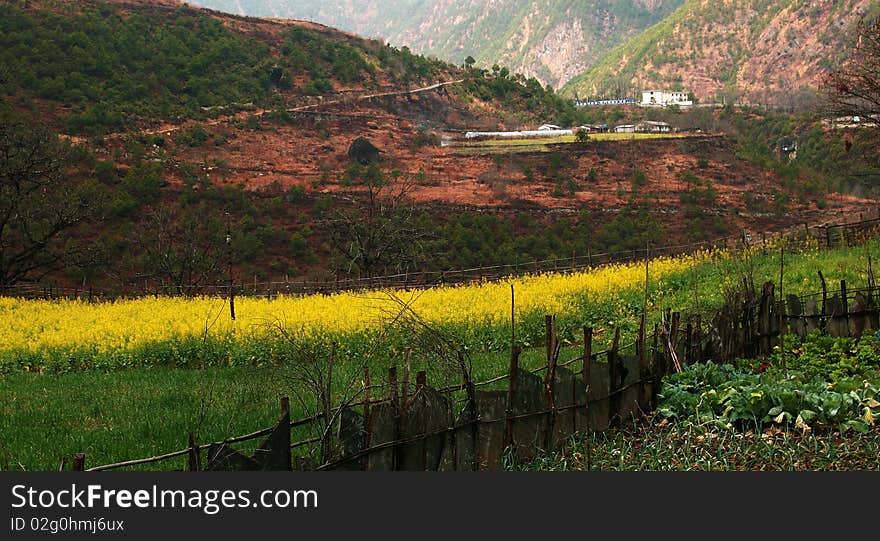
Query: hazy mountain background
552, 41
764, 51
758, 50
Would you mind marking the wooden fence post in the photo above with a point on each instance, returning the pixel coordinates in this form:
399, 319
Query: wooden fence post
473, 411
588, 357
550, 336
688, 343
823, 319
585, 375
407, 360
392, 386
195, 459
698, 338
368, 419
644, 366
845, 302
285, 430
422, 382
553, 354
511, 397
673, 340
613, 383
79, 462
658, 367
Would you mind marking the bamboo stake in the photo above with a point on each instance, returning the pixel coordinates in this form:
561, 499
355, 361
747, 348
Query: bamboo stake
782, 308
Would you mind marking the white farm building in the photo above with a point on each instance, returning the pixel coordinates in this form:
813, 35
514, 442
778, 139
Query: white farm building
661, 98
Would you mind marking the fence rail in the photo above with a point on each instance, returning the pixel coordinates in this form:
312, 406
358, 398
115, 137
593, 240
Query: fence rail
535, 413
422, 429
827, 235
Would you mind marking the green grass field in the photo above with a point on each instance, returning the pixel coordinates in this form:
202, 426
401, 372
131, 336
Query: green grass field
127, 414
547, 144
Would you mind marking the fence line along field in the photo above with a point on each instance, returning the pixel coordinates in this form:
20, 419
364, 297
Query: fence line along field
43, 335
109, 379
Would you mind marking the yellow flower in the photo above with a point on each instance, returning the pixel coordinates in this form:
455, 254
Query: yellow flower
122, 325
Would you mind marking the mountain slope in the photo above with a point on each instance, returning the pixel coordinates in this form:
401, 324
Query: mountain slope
108, 66
760, 50
551, 41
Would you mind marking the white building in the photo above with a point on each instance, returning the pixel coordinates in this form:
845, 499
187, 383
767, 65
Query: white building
523, 134
661, 98
648, 126
645, 126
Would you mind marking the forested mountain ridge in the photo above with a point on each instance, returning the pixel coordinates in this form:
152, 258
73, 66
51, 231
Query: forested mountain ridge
764, 51
99, 67
552, 40
109, 66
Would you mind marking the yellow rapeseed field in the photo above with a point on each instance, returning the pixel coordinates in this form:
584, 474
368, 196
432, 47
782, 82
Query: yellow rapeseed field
123, 325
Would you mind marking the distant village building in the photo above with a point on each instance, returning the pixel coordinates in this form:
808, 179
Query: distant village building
847, 122
649, 126
593, 128
519, 134
645, 126
661, 98
603, 103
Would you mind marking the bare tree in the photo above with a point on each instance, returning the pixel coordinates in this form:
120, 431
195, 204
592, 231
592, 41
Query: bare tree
854, 89
44, 199
378, 234
182, 252
329, 380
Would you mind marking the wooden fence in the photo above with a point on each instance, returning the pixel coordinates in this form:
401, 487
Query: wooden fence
828, 235
462, 427
420, 428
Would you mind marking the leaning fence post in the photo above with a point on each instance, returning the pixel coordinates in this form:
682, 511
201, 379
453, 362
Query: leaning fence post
79, 462
673, 340
845, 302
657, 364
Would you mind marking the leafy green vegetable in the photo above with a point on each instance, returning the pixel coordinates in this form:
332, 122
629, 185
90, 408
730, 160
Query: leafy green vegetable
830, 382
